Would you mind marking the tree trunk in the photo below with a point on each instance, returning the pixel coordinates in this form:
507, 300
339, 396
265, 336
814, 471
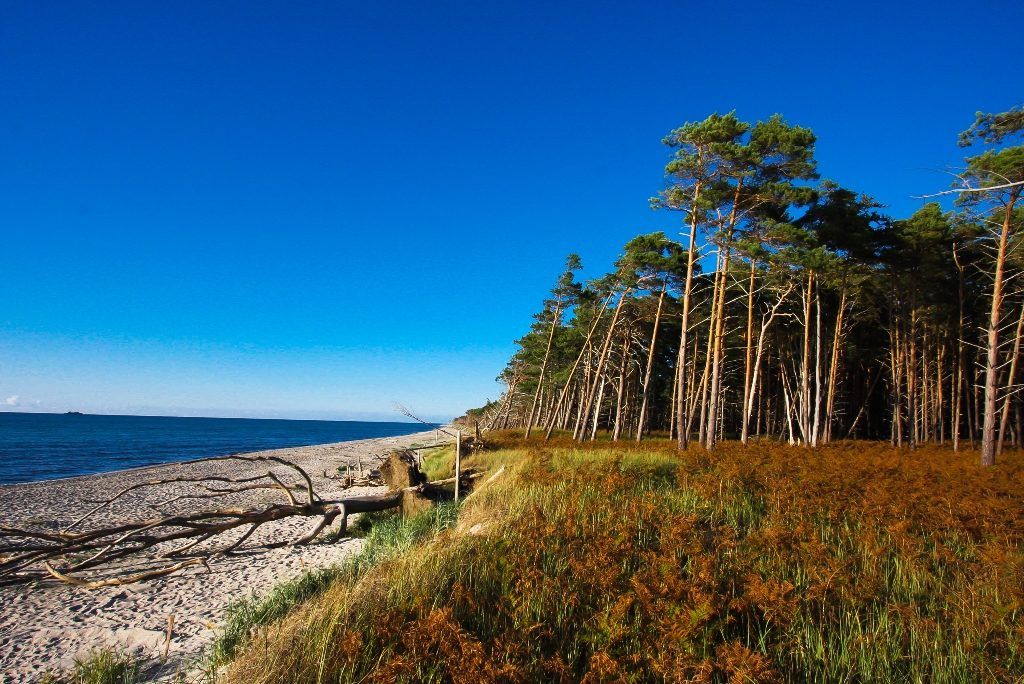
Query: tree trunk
642, 419
805, 363
543, 368
833, 370
988, 430
602, 359
755, 373
718, 326
816, 427
621, 390
1005, 417
748, 370
682, 420
572, 371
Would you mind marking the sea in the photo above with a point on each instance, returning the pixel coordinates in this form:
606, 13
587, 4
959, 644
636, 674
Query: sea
43, 446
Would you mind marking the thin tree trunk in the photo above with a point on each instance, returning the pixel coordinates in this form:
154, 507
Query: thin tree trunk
543, 368
681, 388
748, 370
602, 359
958, 393
620, 393
1005, 417
755, 373
988, 431
833, 370
641, 422
718, 326
718, 323
805, 363
597, 410
816, 427
572, 371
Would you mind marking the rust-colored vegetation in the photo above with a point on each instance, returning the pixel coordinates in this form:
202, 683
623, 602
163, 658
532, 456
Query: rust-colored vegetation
623, 563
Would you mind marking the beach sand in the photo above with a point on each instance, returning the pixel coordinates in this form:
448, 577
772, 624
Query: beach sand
47, 625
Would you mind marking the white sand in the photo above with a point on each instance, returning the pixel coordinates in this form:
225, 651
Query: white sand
45, 626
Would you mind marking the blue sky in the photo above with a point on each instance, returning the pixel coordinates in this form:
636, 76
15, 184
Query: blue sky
316, 209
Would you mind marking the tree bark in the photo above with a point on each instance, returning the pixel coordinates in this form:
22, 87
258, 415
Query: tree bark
682, 420
599, 376
988, 430
1005, 417
642, 419
748, 370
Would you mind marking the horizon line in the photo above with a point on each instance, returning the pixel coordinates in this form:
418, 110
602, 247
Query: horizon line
20, 410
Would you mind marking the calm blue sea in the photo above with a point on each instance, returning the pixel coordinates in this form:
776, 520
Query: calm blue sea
40, 446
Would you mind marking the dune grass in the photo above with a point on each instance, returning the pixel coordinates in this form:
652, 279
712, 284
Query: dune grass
105, 666
614, 562
439, 462
386, 534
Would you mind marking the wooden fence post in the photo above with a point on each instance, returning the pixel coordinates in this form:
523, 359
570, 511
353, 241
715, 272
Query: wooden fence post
458, 461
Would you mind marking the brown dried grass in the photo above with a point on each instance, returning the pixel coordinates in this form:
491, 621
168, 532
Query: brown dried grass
615, 562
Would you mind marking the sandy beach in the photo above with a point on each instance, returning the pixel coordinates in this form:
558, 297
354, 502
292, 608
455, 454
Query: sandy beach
46, 625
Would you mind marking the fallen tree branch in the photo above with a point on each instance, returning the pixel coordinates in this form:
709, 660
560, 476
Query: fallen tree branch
111, 554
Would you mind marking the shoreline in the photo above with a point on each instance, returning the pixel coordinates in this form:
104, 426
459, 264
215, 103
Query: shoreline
192, 457
155, 466
46, 625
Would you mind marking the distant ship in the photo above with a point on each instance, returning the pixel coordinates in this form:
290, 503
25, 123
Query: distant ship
74, 413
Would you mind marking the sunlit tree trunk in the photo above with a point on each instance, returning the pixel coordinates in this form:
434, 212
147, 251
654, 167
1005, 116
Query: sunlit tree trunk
602, 359
621, 389
597, 409
642, 420
988, 430
681, 418
748, 369
816, 426
543, 368
1011, 378
834, 366
718, 326
958, 392
805, 363
756, 369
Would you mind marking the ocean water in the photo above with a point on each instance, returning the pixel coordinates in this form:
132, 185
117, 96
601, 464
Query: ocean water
41, 446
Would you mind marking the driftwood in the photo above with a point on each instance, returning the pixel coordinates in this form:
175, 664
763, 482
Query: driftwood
167, 542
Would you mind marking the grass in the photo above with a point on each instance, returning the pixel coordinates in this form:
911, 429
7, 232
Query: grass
618, 562
101, 667
439, 462
386, 534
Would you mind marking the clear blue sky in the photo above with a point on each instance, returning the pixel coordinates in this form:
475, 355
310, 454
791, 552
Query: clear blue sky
314, 209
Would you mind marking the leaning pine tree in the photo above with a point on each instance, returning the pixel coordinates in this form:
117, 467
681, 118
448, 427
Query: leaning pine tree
992, 185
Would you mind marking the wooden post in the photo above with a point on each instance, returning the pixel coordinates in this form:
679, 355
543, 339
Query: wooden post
170, 633
458, 461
